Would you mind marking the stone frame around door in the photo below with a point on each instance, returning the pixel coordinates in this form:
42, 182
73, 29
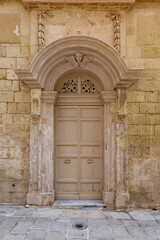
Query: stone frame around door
78, 54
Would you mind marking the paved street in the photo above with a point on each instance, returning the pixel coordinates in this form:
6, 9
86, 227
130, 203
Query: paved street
19, 223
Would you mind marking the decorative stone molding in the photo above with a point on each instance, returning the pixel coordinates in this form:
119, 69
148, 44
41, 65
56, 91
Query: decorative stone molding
50, 64
79, 60
116, 24
115, 16
41, 28
89, 4
35, 118
35, 105
108, 96
49, 97
113, 76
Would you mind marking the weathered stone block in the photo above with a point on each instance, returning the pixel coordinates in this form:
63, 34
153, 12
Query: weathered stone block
12, 107
131, 30
134, 141
152, 97
9, 28
152, 119
150, 52
7, 62
25, 52
2, 51
157, 130
6, 96
133, 108
3, 107
11, 75
5, 85
24, 107
2, 74
136, 97
147, 35
15, 86
21, 118
145, 130
22, 97
18, 130
22, 62
13, 51
132, 130
150, 108
136, 118
7, 119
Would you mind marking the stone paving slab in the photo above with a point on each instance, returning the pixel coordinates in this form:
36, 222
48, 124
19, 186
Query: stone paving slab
20, 223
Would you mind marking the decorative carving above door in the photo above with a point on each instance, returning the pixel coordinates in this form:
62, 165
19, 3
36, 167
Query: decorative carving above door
78, 84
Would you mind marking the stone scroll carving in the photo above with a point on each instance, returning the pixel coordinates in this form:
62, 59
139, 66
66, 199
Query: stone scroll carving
79, 60
41, 28
115, 16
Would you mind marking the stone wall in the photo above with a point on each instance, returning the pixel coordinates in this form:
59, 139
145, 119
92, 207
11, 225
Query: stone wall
143, 51
140, 46
14, 103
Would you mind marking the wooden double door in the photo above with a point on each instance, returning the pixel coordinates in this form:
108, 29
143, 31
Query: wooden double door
78, 141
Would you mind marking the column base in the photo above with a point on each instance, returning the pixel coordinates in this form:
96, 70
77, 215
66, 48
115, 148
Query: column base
122, 200
109, 199
40, 199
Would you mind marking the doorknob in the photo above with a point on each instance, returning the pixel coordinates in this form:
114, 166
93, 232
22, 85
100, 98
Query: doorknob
90, 161
67, 161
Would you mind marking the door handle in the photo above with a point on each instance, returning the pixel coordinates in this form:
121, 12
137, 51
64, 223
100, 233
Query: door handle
67, 161
90, 161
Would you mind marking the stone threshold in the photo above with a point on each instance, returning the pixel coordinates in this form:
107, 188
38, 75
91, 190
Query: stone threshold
77, 203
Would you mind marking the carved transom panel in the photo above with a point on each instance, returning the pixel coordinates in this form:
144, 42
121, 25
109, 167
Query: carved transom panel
78, 85
70, 86
88, 87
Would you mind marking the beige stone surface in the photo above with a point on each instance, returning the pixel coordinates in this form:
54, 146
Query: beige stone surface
140, 46
11, 33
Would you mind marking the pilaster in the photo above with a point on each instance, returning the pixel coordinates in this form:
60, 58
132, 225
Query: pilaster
109, 189
122, 195
33, 196
41, 188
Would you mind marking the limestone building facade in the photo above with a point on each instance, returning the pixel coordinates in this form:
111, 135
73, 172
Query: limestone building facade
80, 101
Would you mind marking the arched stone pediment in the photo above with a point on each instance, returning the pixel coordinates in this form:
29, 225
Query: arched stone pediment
78, 54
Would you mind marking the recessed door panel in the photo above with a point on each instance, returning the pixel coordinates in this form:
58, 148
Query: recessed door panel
66, 168
90, 131
67, 131
90, 168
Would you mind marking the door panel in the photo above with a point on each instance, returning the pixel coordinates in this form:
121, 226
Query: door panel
78, 152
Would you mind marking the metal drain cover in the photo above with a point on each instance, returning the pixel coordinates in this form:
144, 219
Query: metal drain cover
79, 226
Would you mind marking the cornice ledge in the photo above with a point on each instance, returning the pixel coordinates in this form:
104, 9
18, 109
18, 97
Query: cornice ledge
27, 77
49, 96
129, 78
50, 4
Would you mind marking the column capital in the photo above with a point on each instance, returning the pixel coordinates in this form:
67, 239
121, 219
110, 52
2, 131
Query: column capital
49, 96
108, 96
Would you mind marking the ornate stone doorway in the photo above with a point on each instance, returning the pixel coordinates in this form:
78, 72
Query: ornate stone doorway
97, 59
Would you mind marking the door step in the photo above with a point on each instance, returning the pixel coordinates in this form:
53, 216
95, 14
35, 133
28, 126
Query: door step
77, 203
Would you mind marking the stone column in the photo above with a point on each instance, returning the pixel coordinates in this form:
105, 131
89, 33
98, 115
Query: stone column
34, 196
47, 156
122, 196
109, 188
41, 180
